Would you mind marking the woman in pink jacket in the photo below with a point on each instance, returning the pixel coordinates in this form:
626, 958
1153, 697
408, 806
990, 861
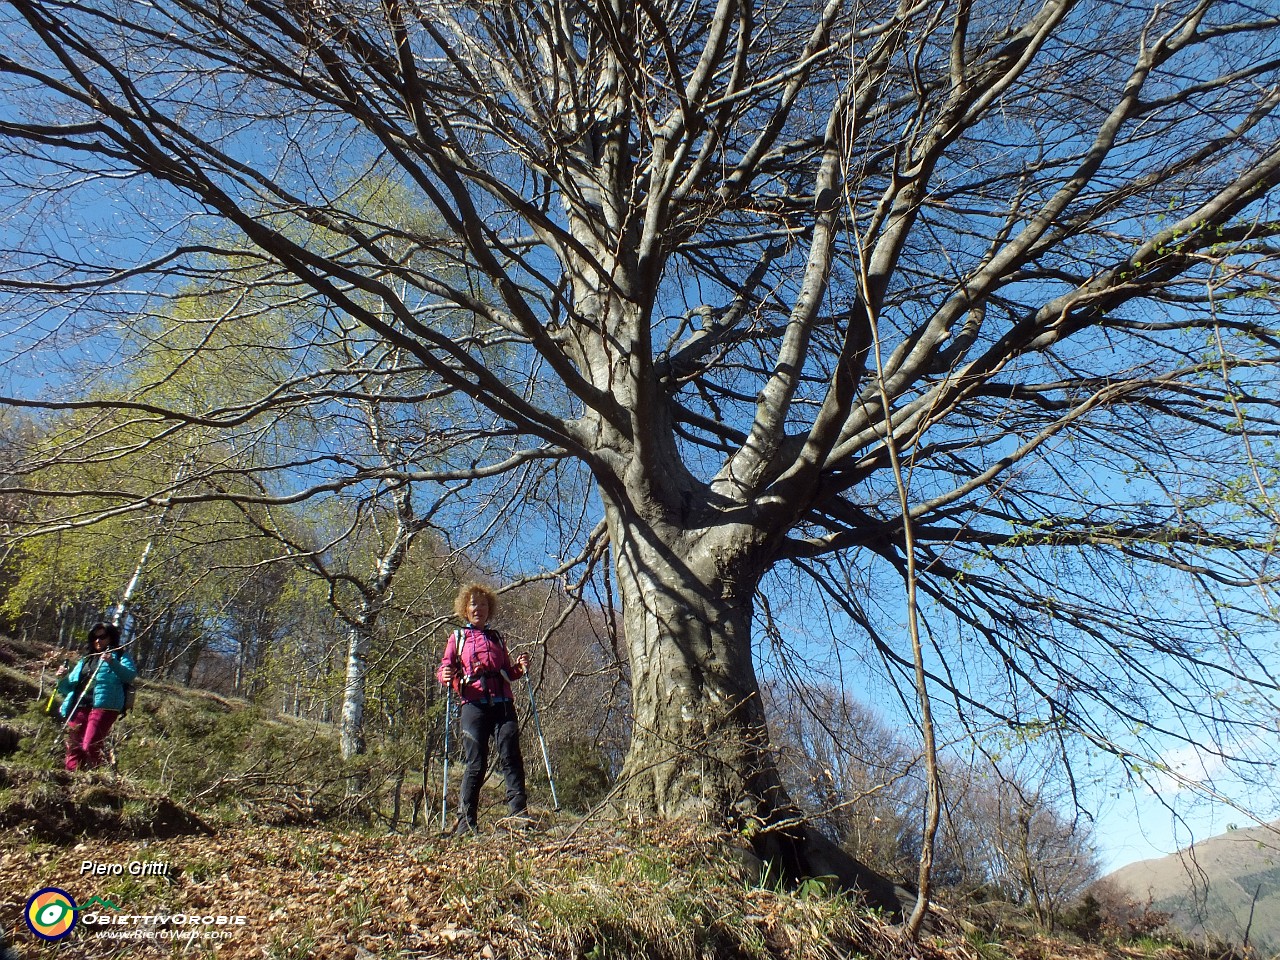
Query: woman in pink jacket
476, 664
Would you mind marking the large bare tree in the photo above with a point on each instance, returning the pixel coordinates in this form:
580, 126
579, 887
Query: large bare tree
736, 260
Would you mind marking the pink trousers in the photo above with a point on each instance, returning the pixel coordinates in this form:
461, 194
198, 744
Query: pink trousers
85, 733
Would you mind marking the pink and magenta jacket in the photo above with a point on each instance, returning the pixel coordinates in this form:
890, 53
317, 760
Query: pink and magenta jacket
479, 657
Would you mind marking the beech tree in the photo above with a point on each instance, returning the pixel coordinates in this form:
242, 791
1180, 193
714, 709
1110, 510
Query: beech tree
762, 272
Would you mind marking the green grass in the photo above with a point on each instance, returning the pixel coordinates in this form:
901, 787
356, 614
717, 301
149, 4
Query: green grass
205, 868
223, 759
985, 948
293, 944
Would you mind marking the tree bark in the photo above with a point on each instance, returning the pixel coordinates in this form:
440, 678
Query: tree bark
700, 744
359, 645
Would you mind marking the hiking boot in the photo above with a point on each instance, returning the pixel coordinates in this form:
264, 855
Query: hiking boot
519, 821
465, 828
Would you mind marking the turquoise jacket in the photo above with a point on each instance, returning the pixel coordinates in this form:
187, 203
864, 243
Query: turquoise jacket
107, 692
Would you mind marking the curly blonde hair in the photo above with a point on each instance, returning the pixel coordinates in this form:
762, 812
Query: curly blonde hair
464, 597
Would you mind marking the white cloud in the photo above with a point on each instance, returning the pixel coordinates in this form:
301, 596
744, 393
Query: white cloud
1186, 768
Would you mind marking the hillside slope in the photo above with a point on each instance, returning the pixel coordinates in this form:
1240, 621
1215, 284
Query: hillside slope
1224, 887
224, 830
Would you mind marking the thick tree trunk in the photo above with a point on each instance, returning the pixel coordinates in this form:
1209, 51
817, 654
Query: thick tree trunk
700, 744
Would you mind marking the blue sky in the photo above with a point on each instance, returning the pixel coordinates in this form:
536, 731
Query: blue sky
1138, 824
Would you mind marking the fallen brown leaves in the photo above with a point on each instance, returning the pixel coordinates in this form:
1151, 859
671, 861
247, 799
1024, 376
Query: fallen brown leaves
657, 892
663, 891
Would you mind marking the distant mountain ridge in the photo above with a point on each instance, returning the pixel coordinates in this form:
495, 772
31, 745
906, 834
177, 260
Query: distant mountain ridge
1226, 887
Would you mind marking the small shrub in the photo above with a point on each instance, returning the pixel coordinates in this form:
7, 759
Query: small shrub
581, 772
1084, 918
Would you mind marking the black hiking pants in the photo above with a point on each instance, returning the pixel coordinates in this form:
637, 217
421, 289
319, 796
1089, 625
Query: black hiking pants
480, 722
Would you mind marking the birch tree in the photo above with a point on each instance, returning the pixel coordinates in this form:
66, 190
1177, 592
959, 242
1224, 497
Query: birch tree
736, 255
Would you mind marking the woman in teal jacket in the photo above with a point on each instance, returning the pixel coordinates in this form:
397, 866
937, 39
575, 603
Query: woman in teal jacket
93, 695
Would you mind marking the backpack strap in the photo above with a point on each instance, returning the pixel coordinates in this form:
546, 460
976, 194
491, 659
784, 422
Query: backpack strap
461, 676
85, 685
460, 642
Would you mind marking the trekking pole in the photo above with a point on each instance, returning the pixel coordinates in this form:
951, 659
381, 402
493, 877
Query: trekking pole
46, 706
537, 726
444, 786
47, 709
